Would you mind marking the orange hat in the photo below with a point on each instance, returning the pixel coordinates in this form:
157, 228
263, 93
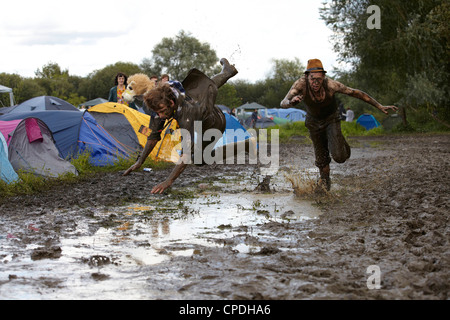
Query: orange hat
315, 65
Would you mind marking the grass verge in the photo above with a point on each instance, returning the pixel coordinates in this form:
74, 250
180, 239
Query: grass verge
30, 184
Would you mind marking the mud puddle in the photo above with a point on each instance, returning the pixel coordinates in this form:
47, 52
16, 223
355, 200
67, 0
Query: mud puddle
138, 235
145, 236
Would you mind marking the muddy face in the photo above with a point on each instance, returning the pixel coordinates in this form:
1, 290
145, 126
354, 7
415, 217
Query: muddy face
315, 80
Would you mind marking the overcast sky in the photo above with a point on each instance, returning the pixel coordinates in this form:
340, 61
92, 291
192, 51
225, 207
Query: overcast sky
83, 36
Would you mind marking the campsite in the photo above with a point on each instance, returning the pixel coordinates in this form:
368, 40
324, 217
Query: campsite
228, 231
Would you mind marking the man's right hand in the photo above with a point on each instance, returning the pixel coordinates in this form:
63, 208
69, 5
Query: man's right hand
286, 103
134, 167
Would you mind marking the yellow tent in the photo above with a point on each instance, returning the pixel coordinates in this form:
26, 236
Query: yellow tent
131, 129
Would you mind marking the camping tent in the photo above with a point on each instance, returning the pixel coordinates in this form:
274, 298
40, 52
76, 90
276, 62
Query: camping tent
280, 121
245, 111
291, 114
43, 103
76, 132
368, 121
7, 172
92, 102
131, 129
4, 89
261, 123
123, 123
224, 109
31, 148
236, 134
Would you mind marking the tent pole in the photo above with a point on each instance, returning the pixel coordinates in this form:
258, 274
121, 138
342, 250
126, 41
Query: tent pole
165, 133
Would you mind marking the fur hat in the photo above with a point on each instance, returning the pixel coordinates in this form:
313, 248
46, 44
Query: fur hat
314, 65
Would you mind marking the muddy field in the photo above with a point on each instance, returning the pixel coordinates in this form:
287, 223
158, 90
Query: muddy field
381, 233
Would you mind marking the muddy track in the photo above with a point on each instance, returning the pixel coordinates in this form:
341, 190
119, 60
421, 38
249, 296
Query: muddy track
387, 213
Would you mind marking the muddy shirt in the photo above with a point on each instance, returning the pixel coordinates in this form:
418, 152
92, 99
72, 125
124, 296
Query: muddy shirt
186, 115
190, 110
323, 109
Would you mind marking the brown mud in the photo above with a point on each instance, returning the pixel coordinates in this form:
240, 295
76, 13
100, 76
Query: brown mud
108, 238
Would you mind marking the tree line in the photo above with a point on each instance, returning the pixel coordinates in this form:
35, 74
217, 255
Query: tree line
174, 56
404, 61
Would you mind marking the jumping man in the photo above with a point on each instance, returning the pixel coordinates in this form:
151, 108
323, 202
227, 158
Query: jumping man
187, 102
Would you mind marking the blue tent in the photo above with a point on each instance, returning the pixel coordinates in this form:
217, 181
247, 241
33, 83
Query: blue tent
7, 172
368, 121
42, 103
104, 149
291, 114
75, 132
234, 132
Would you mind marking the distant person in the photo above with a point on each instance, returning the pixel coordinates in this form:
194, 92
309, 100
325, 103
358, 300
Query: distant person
154, 78
233, 112
164, 78
116, 92
349, 115
254, 118
323, 116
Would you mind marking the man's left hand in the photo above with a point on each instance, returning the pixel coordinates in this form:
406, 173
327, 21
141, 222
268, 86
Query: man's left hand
385, 109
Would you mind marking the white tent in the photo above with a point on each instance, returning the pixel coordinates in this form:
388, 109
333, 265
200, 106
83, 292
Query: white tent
4, 89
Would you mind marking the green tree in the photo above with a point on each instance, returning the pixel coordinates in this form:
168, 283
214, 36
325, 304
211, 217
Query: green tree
283, 74
23, 88
409, 52
57, 83
176, 56
249, 92
54, 80
271, 91
227, 95
98, 83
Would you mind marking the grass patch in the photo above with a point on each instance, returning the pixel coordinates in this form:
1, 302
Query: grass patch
30, 184
291, 130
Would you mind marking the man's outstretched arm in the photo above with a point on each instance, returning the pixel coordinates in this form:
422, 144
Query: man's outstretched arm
184, 160
356, 93
294, 96
144, 154
179, 168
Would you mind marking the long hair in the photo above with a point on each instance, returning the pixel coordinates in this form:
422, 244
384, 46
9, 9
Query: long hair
162, 94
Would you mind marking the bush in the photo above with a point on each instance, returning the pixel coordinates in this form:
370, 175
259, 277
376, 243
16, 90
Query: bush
291, 129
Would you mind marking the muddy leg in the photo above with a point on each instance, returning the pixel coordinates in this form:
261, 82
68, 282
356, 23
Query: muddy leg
322, 155
339, 148
325, 181
228, 71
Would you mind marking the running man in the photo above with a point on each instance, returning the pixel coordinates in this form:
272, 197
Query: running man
322, 115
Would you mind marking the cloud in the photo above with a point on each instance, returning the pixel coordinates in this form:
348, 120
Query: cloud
56, 37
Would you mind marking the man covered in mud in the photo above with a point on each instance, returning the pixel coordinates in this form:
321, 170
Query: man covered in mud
187, 102
322, 115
